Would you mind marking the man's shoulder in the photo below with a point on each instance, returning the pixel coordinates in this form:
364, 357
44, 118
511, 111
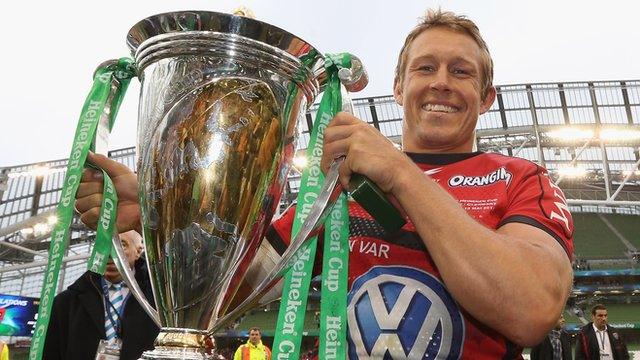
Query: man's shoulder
506, 160
85, 282
587, 328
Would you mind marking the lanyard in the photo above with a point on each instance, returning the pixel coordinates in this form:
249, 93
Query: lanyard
601, 338
117, 322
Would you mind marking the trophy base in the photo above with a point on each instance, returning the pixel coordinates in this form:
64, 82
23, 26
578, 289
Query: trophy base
181, 344
176, 353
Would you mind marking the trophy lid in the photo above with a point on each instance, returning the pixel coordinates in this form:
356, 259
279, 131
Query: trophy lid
184, 21
158, 28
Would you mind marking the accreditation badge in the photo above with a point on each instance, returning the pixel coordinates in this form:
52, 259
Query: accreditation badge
107, 351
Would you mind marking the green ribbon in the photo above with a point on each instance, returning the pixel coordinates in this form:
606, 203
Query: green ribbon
290, 326
110, 81
103, 247
119, 75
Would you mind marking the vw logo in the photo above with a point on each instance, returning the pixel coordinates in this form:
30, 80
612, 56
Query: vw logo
398, 312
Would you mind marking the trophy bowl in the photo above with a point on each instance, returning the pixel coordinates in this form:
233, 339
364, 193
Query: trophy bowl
221, 97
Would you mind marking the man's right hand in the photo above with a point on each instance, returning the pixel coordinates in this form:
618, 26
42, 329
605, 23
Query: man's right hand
89, 196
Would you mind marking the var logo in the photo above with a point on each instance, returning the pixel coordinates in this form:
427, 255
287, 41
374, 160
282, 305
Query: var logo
398, 312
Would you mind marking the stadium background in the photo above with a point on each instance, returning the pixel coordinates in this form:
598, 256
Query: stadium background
586, 133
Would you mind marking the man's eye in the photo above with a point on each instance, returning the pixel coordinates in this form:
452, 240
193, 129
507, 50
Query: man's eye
460, 71
428, 68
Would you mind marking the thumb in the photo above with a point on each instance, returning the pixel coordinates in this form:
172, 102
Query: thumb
112, 167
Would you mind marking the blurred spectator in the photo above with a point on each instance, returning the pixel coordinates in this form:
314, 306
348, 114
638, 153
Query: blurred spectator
253, 349
556, 346
598, 340
4, 351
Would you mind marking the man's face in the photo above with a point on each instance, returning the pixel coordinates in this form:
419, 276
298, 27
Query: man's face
441, 92
600, 319
132, 245
254, 337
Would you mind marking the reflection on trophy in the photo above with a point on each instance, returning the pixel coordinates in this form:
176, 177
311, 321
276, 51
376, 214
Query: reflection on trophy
220, 100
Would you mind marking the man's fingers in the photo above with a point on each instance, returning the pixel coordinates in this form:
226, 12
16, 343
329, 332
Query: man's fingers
112, 167
333, 150
344, 176
90, 174
344, 118
90, 217
89, 188
88, 202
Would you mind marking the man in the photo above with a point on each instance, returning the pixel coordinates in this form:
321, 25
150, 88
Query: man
489, 235
556, 346
485, 231
253, 349
91, 310
4, 351
597, 340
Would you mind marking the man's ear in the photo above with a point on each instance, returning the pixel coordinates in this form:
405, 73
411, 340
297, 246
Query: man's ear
397, 91
488, 100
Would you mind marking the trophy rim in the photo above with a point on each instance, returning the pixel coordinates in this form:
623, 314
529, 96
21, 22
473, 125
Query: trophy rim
210, 21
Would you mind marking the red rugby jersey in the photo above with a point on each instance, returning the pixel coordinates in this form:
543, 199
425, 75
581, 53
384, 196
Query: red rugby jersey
398, 306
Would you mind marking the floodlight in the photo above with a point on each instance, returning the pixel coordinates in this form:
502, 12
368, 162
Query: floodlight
40, 228
300, 161
570, 134
39, 170
51, 220
26, 231
619, 135
572, 171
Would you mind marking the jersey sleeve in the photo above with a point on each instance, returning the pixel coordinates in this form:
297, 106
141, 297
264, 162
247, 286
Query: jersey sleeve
279, 232
535, 200
279, 236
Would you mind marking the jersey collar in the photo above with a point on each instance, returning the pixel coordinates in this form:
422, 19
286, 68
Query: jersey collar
441, 159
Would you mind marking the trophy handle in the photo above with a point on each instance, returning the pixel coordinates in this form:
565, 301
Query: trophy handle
131, 282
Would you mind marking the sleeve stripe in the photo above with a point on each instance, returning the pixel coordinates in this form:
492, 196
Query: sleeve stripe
533, 222
276, 240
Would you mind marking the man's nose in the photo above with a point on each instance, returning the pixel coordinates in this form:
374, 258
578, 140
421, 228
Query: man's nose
441, 80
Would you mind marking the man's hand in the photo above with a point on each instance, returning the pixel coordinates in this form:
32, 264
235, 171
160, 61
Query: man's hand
89, 196
367, 152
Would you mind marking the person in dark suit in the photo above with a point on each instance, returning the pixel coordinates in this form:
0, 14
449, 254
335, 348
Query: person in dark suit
556, 346
597, 340
78, 315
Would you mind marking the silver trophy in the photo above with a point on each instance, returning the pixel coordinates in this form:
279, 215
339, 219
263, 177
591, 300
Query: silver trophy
221, 97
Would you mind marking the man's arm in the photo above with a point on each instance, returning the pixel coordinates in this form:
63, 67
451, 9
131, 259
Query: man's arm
515, 279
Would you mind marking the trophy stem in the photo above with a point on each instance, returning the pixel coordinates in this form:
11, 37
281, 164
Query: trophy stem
181, 344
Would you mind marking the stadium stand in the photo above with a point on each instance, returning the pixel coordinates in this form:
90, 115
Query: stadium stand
586, 133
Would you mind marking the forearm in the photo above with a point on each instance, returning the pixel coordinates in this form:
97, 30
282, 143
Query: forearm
512, 284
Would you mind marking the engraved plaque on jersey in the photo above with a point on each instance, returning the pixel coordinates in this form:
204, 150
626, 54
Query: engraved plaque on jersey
398, 312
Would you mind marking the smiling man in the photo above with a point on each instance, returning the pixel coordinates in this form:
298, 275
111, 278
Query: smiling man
483, 266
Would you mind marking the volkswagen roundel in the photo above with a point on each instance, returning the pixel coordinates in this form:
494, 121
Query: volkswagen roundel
407, 314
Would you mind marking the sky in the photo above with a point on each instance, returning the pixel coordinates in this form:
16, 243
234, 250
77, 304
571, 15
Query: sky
50, 49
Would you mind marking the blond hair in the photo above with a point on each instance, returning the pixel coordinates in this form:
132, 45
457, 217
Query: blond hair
457, 23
